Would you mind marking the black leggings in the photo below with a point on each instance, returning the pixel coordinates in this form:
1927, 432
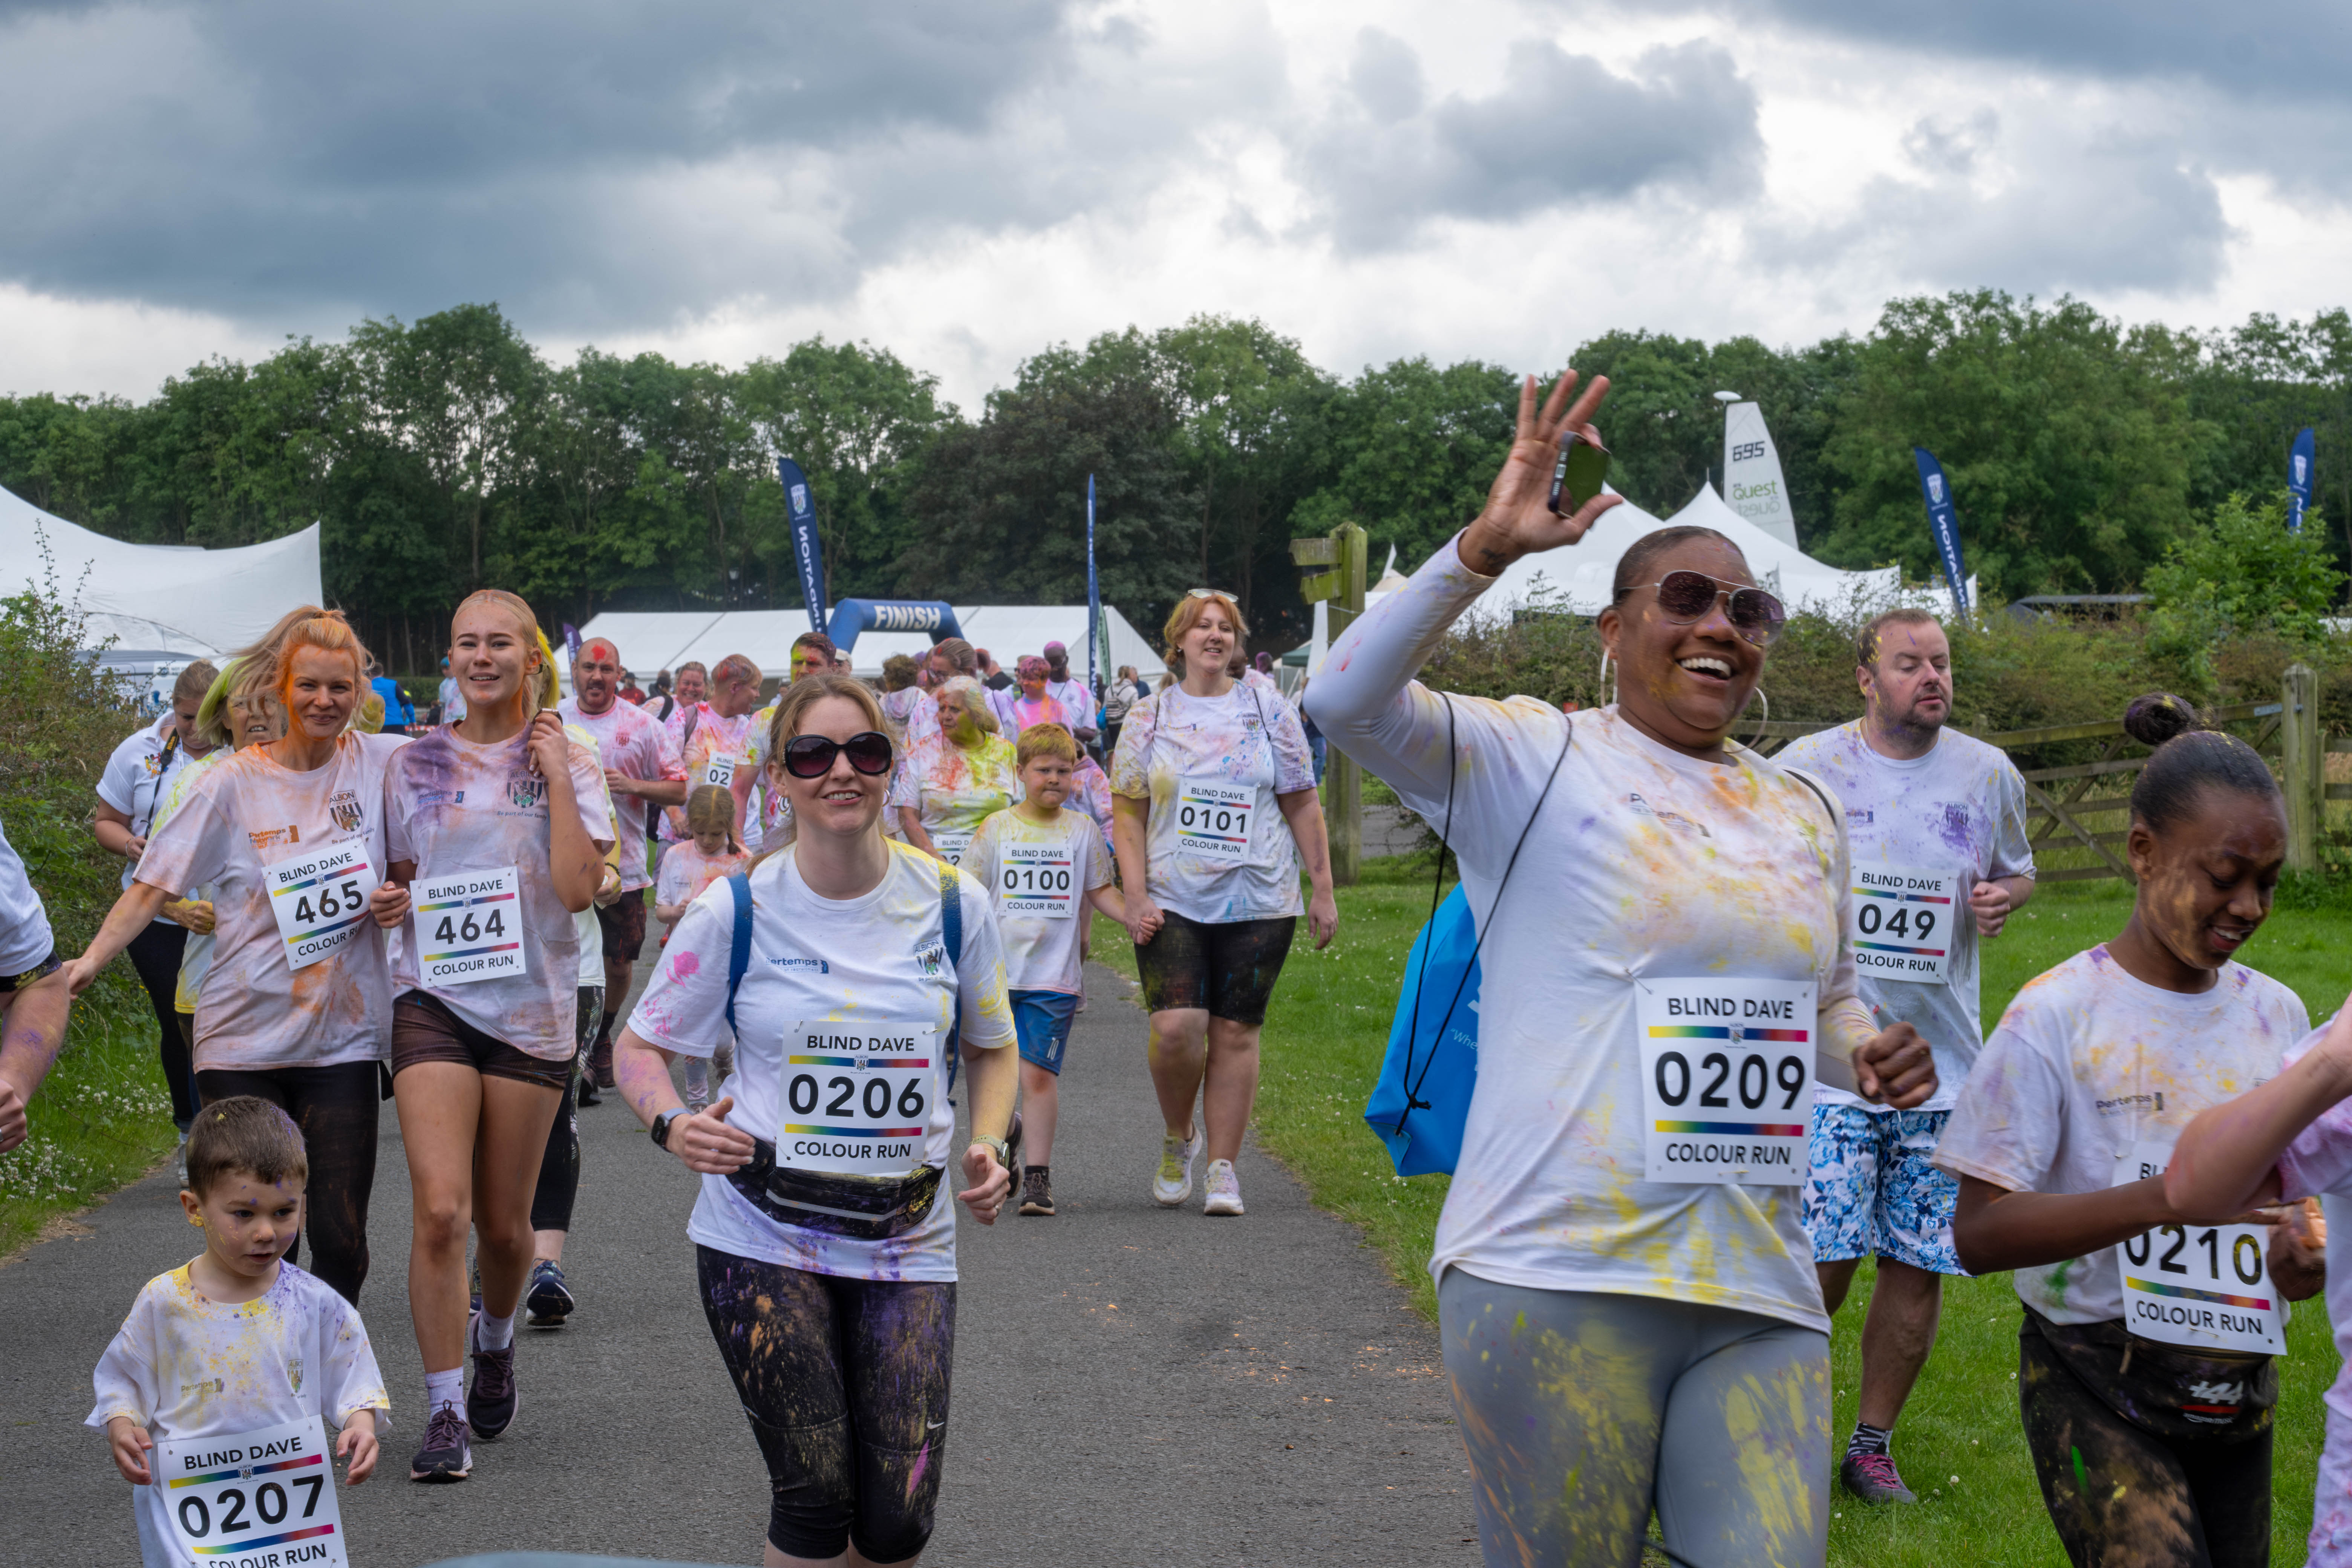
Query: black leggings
336, 1109
559, 1168
846, 1382
156, 953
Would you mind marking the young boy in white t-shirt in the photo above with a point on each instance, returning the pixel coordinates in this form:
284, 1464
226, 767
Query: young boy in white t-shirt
238, 1339
1044, 867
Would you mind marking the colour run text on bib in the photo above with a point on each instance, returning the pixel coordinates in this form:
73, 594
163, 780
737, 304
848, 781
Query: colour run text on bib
320, 901
719, 771
950, 844
2207, 1286
857, 1097
264, 1500
1727, 1078
470, 927
1904, 922
1214, 819
1037, 880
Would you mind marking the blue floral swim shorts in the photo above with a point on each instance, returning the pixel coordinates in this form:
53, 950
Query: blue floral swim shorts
1871, 1191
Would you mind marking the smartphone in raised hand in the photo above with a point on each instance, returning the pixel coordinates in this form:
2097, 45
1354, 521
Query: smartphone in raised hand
1579, 473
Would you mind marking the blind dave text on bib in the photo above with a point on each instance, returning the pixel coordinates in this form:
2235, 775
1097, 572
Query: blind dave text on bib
266, 1496
856, 1099
1727, 1078
1903, 923
470, 927
320, 901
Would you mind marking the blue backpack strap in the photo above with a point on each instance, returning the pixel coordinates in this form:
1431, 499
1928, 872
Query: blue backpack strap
951, 939
739, 949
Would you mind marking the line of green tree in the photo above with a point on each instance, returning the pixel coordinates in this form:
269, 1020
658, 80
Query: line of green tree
449, 453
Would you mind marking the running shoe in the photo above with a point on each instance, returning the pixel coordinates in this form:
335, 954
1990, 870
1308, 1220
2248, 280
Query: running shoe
1872, 1477
445, 1455
1037, 1191
491, 1403
549, 1298
600, 1065
1224, 1189
1173, 1184
588, 1095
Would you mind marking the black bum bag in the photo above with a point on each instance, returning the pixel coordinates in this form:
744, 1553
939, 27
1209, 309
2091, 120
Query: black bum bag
864, 1208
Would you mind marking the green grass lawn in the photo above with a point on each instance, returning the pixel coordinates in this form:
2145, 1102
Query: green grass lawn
102, 1116
1328, 1029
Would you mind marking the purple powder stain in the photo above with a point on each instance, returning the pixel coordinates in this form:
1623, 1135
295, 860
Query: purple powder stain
922, 1463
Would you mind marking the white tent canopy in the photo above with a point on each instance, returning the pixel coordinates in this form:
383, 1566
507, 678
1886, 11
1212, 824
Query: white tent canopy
651, 641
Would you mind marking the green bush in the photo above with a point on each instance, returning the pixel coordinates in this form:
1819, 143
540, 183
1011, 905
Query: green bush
2244, 575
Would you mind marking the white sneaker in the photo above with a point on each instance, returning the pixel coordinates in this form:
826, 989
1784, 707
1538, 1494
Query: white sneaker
1173, 1184
1224, 1189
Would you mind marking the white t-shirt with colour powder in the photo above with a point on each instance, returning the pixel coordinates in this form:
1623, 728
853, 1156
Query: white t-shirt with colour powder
1643, 862
630, 742
24, 935
2088, 1061
2318, 1163
1041, 951
136, 775
1246, 741
1960, 808
871, 959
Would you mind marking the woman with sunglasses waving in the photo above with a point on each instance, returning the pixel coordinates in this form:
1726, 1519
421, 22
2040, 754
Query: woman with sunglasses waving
1625, 1293
847, 966
964, 773
1212, 810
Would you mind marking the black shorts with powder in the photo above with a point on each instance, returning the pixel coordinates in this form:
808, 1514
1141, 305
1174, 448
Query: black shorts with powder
623, 922
1228, 968
423, 1030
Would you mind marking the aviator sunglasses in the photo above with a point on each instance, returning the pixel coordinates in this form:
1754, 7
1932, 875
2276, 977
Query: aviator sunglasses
811, 756
1683, 596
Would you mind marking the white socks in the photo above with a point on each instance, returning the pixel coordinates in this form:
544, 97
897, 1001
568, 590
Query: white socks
444, 1388
493, 1333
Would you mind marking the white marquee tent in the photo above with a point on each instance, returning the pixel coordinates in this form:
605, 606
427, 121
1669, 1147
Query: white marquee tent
651, 641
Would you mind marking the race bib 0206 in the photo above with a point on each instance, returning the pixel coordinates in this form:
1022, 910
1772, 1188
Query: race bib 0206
856, 1098
1727, 1078
1037, 880
1214, 819
1904, 922
470, 927
320, 901
2207, 1286
265, 1497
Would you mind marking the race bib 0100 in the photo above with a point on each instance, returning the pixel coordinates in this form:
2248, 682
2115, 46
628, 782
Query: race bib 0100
320, 901
1727, 1078
267, 1496
856, 1098
2206, 1286
1214, 819
470, 927
1904, 922
1037, 880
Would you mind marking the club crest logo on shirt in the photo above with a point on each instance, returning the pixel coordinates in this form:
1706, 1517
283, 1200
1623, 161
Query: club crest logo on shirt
526, 792
932, 960
153, 764
294, 1374
1665, 818
346, 810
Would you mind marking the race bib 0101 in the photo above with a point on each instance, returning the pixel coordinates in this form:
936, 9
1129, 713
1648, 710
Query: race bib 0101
320, 901
266, 1497
2206, 1286
856, 1099
1214, 819
1727, 1078
1904, 922
470, 927
1037, 880
950, 844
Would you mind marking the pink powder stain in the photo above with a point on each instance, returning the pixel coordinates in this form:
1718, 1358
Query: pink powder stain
684, 966
922, 1463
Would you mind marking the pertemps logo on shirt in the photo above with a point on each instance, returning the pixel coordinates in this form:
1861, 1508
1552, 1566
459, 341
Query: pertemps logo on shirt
1674, 819
822, 966
269, 838
2125, 1103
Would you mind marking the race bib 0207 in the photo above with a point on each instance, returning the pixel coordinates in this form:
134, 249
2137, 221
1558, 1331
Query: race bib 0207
856, 1098
320, 901
470, 927
1904, 922
2206, 1286
265, 1497
1037, 880
1727, 1078
1214, 819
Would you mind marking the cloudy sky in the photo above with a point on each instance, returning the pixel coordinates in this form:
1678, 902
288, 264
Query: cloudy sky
965, 181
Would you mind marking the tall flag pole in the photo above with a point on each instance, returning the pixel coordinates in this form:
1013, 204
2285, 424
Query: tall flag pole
1094, 597
1943, 524
806, 554
2298, 479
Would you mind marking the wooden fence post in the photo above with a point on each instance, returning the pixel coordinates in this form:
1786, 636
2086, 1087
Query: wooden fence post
1343, 780
2302, 764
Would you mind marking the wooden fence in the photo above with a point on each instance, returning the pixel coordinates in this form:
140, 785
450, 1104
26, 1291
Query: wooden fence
2068, 804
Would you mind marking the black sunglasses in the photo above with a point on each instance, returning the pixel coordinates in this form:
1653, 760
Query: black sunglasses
811, 756
1684, 596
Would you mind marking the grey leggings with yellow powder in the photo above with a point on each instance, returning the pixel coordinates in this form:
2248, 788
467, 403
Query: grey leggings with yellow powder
1581, 1412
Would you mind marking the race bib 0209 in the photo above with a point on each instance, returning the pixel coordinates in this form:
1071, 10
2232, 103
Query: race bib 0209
1214, 819
1903, 923
320, 901
2206, 1286
470, 927
265, 1497
856, 1098
1037, 880
1727, 1078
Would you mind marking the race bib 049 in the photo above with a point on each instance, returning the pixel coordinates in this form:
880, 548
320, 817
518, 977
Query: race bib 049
856, 1098
1727, 1078
320, 901
1903, 923
2207, 1286
1037, 880
1214, 819
470, 927
267, 1498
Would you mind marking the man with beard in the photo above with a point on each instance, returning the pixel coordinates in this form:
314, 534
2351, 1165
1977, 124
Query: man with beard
1936, 825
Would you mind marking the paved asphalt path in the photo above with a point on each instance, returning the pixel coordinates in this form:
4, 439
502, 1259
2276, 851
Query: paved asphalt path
1132, 1385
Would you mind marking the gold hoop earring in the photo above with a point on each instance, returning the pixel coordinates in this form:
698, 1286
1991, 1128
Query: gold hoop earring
1760, 722
1607, 684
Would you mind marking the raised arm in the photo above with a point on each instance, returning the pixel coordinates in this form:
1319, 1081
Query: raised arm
2227, 1159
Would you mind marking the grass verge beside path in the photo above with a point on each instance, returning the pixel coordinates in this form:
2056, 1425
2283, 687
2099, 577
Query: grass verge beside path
1328, 1031
102, 1118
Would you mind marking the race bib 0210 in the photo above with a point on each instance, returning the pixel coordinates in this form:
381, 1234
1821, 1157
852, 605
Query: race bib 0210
2205, 1287
470, 927
1727, 1078
1037, 880
1214, 819
320, 901
265, 1497
856, 1098
1904, 922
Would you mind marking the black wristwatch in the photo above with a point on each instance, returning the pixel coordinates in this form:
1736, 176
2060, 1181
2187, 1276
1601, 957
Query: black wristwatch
664, 1121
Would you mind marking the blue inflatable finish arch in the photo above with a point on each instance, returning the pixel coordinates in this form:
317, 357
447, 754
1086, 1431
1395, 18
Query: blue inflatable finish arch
851, 617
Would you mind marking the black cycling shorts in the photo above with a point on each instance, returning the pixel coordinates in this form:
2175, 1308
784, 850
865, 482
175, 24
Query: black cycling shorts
1228, 968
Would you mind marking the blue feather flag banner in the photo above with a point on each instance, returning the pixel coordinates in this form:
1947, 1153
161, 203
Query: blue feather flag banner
807, 555
1095, 639
1943, 523
2299, 461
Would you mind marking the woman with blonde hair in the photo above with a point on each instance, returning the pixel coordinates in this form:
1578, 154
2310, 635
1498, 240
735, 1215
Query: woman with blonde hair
1213, 812
289, 836
951, 783
497, 826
